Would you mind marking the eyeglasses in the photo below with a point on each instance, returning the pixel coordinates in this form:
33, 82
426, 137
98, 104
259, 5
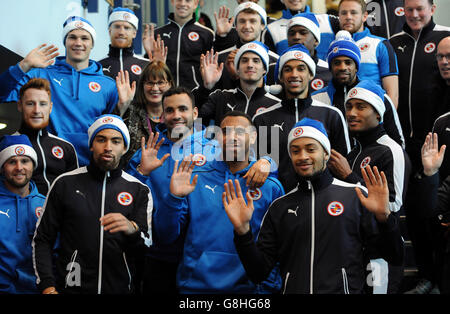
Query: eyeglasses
159, 83
441, 57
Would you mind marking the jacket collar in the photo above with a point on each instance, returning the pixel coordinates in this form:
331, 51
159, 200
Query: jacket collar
99, 174
368, 137
318, 181
171, 18
24, 129
288, 14
428, 28
301, 104
335, 88
361, 35
115, 52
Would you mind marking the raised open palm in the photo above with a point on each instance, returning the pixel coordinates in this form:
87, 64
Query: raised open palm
210, 69
239, 212
149, 157
40, 57
180, 183
377, 200
432, 156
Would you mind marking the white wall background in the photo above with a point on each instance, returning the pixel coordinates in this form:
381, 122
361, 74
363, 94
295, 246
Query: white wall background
28, 23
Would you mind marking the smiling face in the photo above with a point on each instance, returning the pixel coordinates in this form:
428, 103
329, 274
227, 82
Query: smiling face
295, 5
179, 115
17, 171
154, 88
295, 78
418, 14
361, 116
249, 26
308, 156
35, 106
251, 68
108, 147
183, 9
121, 34
78, 46
343, 70
236, 136
351, 16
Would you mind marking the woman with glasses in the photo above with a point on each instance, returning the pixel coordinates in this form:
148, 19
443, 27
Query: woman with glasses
145, 110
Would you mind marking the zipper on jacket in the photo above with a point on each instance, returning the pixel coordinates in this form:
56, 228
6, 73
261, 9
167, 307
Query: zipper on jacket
178, 53
128, 271
72, 261
296, 110
44, 163
359, 153
121, 59
410, 82
311, 267
100, 256
345, 281
285, 283
388, 31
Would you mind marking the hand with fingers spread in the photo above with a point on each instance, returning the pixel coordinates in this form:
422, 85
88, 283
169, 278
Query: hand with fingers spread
377, 200
432, 156
148, 38
239, 212
125, 90
180, 183
229, 64
159, 52
116, 222
338, 164
40, 57
149, 157
223, 21
210, 69
257, 174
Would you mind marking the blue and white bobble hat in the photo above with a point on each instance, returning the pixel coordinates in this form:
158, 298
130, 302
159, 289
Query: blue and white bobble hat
371, 93
307, 127
16, 145
256, 47
77, 22
307, 20
344, 45
123, 14
109, 121
254, 7
296, 52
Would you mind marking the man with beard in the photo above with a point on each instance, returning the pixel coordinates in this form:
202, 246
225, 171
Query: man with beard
151, 164
55, 155
294, 71
344, 60
210, 263
378, 59
101, 216
20, 207
319, 231
123, 25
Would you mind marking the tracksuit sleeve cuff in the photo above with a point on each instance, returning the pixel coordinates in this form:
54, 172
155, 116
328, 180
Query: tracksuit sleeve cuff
390, 224
16, 72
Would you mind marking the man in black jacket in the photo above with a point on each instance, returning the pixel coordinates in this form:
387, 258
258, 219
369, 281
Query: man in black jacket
415, 47
319, 230
250, 96
295, 70
386, 17
364, 112
186, 40
123, 25
100, 215
55, 155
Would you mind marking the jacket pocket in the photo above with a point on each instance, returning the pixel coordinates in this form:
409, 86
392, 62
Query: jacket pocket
345, 281
285, 283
